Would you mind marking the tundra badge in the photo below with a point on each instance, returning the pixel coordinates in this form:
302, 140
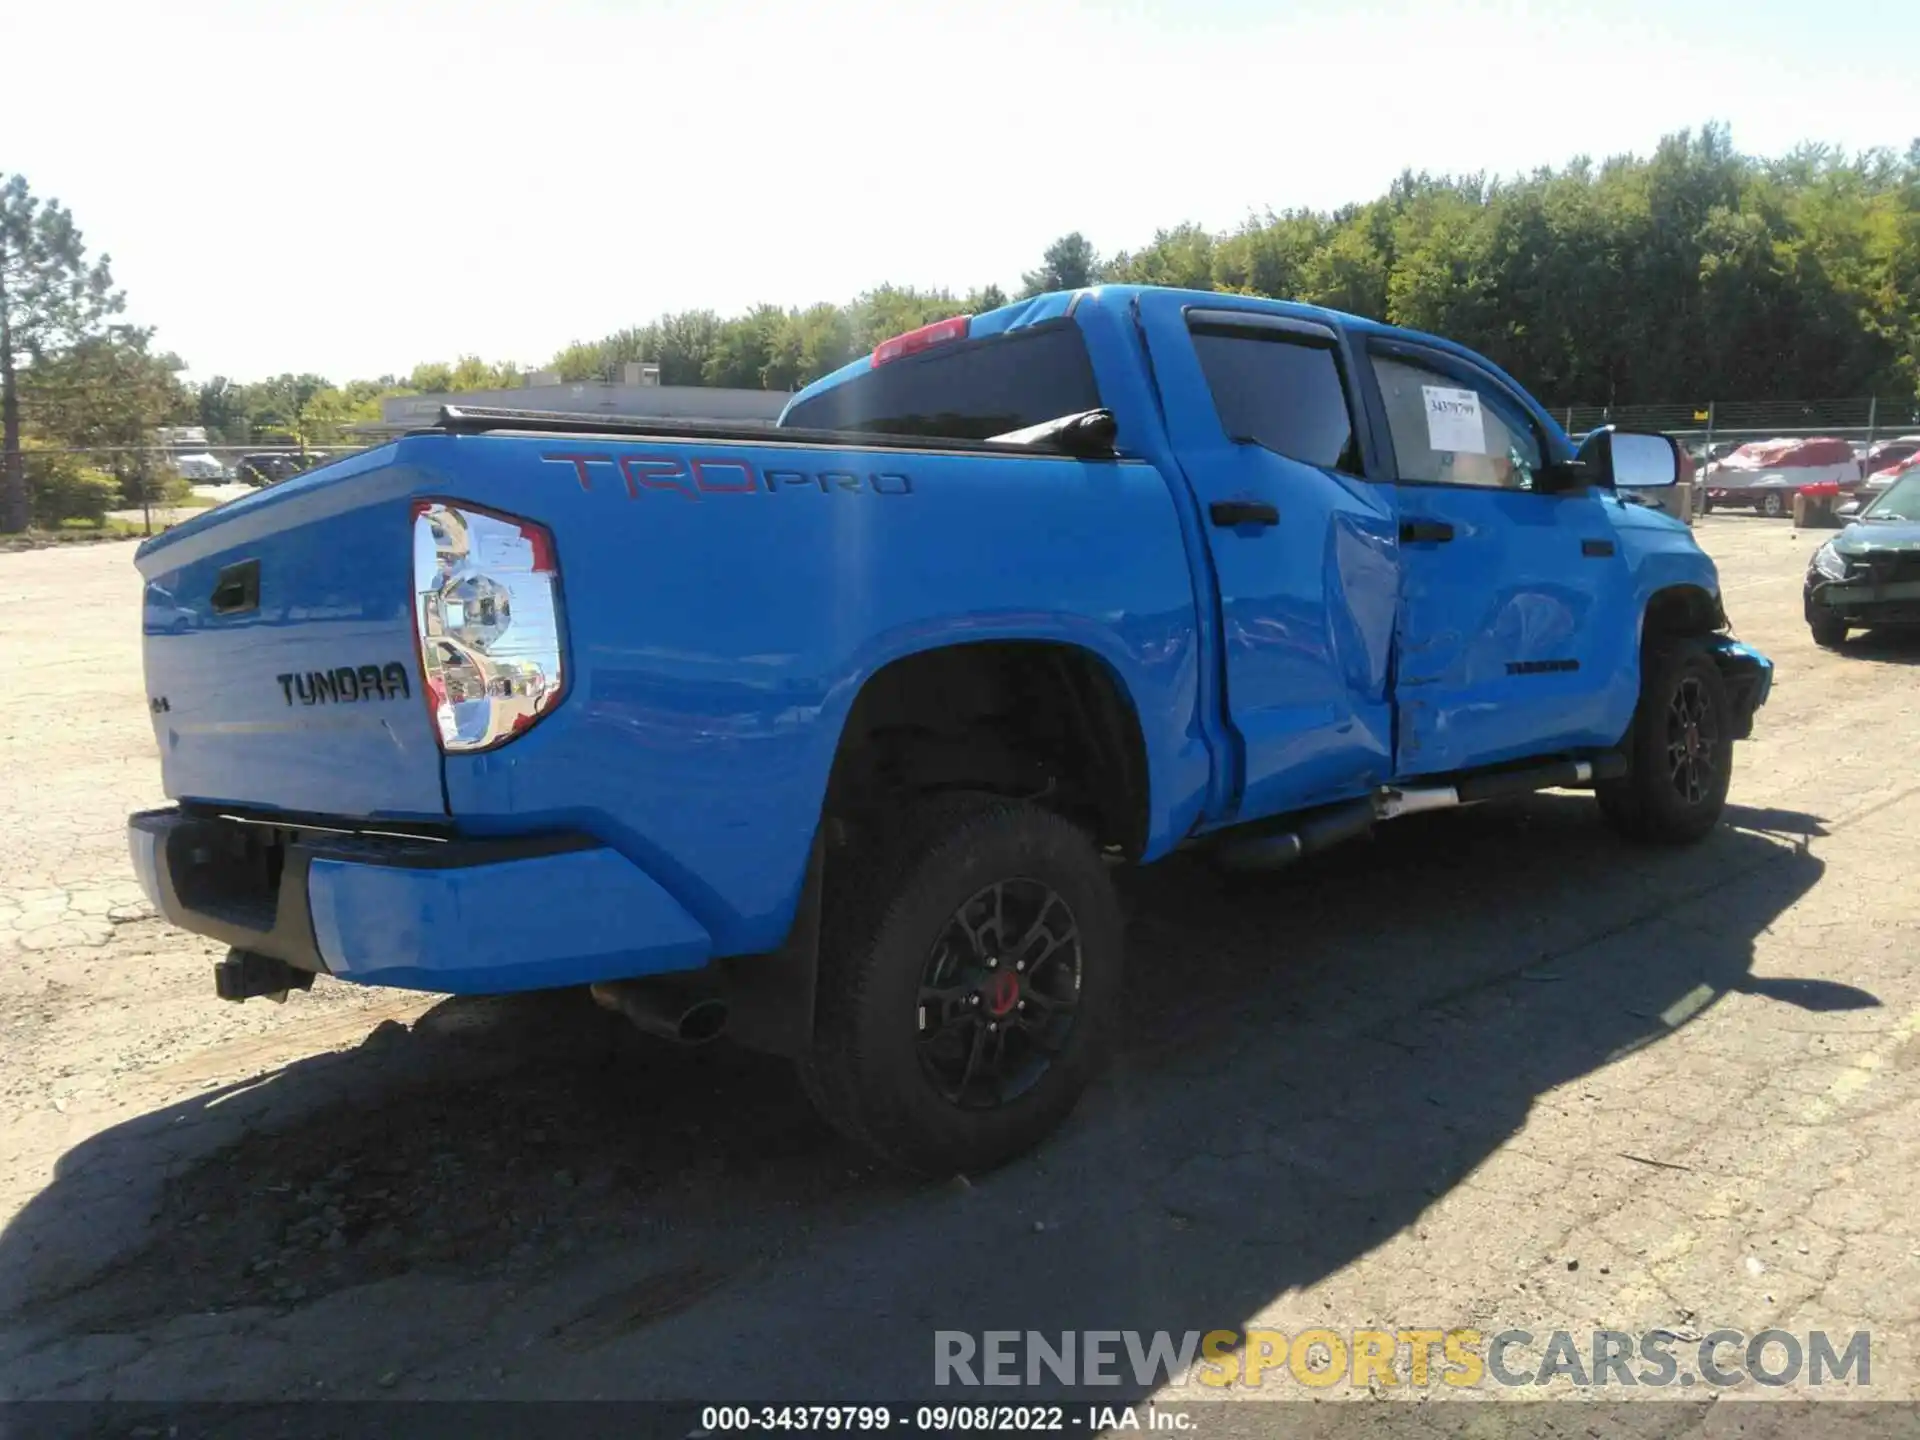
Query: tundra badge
346, 684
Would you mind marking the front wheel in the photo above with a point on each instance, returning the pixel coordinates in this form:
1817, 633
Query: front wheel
1829, 631
1679, 751
969, 983
1774, 505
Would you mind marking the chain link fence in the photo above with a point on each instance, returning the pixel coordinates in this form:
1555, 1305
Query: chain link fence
1719, 425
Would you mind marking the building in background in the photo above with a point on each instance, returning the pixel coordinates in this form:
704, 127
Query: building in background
637, 395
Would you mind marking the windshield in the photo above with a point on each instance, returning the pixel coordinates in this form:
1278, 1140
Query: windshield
1900, 502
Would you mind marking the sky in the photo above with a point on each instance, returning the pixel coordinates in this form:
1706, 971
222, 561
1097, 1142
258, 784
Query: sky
349, 188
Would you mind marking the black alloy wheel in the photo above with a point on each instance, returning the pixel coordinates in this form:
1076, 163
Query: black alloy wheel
1693, 739
1679, 749
970, 970
999, 993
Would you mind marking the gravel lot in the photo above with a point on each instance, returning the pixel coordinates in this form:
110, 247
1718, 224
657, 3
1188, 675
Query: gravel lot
1489, 1069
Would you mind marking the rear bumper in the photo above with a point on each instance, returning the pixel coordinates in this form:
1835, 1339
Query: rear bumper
471, 917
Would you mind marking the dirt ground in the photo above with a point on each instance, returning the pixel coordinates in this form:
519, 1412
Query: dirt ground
1491, 1069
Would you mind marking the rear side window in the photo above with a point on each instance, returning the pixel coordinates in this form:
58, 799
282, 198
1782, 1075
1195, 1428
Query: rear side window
972, 390
1282, 391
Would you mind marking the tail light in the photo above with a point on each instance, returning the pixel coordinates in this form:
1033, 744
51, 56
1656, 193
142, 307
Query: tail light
486, 592
914, 341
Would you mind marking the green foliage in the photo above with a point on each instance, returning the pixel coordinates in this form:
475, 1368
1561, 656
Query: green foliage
812, 343
602, 358
1696, 272
1067, 264
106, 392
153, 484
221, 406
296, 408
60, 489
53, 295
104, 396
467, 373
742, 349
1182, 257
51, 298
1693, 273
768, 347
880, 314
987, 297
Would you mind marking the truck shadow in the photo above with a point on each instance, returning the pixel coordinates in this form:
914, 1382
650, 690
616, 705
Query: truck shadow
1889, 645
1311, 1060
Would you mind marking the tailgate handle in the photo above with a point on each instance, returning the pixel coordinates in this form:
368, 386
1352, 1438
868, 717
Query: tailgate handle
238, 589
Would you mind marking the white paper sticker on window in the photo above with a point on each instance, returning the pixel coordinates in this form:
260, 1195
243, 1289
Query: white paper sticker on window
1453, 420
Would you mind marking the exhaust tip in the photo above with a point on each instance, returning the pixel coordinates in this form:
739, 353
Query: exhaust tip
665, 1009
703, 1021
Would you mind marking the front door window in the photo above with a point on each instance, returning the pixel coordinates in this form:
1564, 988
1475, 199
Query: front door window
1447, 431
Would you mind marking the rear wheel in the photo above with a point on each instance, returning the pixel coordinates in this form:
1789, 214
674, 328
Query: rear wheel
1829, 631
1773, 505
1679, 751
969, 980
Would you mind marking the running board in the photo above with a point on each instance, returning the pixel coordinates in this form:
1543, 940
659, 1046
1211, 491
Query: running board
1317, 830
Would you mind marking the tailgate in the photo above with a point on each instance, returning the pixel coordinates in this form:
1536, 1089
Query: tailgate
281, 661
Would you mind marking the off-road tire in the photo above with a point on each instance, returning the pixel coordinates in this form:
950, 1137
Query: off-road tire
887, 905
1661, 799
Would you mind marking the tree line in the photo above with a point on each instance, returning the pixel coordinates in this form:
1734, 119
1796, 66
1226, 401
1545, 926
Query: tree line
1694, 272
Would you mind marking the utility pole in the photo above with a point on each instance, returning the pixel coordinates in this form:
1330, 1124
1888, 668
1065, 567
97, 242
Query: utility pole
15, 510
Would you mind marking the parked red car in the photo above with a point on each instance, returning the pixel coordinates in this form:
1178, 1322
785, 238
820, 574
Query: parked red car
1885, 454
1766, 474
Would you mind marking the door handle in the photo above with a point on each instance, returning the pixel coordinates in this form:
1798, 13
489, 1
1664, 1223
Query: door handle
1227, 513
1596, 549
1425, 532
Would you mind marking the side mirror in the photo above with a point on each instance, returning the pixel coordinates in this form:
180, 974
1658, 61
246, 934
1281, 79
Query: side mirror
1630, 459
1849, 511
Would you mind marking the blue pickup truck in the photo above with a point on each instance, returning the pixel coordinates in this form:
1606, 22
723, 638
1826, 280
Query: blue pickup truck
829, 736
